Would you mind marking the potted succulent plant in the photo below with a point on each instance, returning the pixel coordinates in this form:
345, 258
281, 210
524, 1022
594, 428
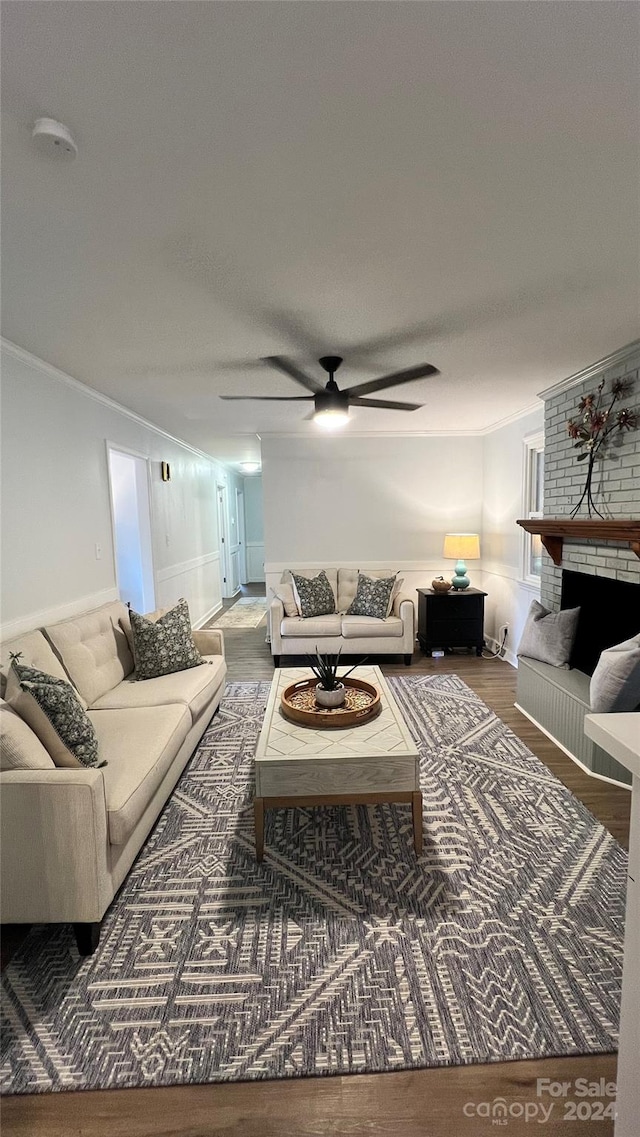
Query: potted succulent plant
330, 689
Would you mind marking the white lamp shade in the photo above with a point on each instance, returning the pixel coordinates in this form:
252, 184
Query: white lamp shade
462, 546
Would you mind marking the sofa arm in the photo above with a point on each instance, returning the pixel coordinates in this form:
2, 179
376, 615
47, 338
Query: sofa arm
276, 616
209, 641
55, 847
404, 607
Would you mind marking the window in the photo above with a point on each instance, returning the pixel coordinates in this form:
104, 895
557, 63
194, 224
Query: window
533, 504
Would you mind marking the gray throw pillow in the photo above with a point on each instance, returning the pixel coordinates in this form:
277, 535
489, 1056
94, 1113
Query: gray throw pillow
51, 707
548, 636
314, 594
372, 597
163, 646
615, 683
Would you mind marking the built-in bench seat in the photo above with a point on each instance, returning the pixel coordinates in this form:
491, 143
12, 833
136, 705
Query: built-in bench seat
557, 701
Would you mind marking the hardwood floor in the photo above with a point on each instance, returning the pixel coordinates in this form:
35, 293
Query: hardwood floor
419, 1103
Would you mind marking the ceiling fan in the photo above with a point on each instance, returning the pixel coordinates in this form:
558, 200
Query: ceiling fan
331, 405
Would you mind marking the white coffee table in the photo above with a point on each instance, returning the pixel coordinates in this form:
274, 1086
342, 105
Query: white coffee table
361, 765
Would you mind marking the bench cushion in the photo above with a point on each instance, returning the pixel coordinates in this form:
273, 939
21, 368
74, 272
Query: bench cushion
139, 745
193, 689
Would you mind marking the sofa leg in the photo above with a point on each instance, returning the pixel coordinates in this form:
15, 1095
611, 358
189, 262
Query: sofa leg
276, 661
87, 937
407, 660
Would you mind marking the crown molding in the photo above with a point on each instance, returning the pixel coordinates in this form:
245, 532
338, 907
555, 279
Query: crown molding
480, 433
52, 372
612, 360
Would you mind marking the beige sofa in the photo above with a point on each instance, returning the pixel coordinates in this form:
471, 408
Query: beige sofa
356, 635
70, 836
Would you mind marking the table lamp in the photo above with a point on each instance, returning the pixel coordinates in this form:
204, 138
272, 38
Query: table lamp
461, 547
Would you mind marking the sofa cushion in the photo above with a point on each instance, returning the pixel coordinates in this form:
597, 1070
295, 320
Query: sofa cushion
314, 595
34, 650
354, 627
139, 745
615, 683
50, 706
193, 689
373, 597
548, 636
20, 748
94, 649
311, 626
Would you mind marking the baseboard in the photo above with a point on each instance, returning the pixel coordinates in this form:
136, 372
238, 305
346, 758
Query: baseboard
54, 615
585, 769
208, 616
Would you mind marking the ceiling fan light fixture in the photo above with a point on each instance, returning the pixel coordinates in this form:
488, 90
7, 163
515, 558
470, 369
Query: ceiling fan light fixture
331, 418
332, 407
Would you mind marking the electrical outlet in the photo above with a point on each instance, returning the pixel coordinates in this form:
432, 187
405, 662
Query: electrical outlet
98, 552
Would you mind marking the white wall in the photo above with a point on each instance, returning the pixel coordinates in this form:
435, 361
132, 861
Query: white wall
508, 596
254, 527
56, 507
369, 502
387, 502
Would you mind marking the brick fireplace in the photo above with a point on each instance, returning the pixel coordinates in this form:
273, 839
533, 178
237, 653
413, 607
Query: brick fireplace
617, 482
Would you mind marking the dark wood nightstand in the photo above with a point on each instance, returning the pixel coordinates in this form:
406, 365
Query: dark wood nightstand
451, 619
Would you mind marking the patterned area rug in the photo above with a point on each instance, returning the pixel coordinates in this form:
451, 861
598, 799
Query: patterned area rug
341, 953
247, 612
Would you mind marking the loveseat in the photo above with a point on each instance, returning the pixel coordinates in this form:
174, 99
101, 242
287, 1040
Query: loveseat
70, 836
355, 635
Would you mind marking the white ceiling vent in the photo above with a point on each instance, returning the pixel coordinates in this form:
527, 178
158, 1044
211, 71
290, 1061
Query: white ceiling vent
53, 139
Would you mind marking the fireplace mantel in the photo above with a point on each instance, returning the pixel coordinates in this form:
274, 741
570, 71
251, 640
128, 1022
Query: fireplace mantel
553, 530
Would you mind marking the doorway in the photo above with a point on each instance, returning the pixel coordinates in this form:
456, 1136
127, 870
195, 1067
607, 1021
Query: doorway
228, 556
131, 514
242, 550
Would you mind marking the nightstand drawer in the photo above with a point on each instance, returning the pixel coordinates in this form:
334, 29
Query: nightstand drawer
454, 631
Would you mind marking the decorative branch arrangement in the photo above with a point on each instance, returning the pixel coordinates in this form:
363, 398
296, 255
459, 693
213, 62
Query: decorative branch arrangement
592, 431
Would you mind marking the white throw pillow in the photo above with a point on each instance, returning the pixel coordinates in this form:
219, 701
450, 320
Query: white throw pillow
615, 683
286, 594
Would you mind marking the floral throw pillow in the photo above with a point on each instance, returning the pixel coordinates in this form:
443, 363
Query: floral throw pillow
314, 594
163, 646
51, 707
372, 597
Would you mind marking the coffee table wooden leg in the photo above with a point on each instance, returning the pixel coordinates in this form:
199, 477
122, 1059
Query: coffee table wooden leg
416, 807
258, 815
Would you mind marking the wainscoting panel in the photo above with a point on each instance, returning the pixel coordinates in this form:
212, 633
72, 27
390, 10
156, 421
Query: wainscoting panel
255, 561
198, 580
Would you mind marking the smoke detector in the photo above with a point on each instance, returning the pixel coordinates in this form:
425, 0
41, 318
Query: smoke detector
53, 139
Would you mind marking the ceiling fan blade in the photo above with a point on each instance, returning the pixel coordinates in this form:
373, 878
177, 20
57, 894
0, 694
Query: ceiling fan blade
386, 404
294, 372
268, 398
393, 380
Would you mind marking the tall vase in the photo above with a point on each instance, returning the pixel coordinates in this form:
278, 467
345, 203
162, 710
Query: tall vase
586, 493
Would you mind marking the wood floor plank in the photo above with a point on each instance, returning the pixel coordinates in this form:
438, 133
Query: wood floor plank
420, 1103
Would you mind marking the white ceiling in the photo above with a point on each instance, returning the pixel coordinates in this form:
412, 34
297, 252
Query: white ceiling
395, 182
